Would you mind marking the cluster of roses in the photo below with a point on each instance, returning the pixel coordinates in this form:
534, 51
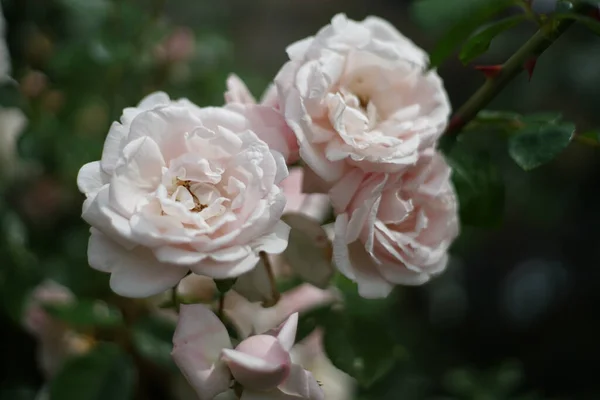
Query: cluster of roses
182, 189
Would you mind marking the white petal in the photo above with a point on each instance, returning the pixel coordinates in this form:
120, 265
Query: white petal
113, 144
198, 340
287, 332
297, 49
249, 362
297, 383
179, 256
275, 242
225, 270
101, 251
91, 178
138, 274
97, 212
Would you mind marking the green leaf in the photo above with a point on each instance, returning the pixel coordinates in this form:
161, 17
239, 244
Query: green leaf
361, 347
439, 15
541, 118
153, 339
104, 373
309, 250
591, 23
311, 320
480, 42
86, 313
592, 136
357, 305
85, 17
536, 145
349, 333
563, 6
479, 187
480, 12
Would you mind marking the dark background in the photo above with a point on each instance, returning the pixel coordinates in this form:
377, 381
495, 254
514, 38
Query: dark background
515, 315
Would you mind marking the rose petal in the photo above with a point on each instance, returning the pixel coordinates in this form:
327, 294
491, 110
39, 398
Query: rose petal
274, 242
287, 332
91, 178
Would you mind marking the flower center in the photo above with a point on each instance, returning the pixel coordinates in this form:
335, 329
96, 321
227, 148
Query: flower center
198, 206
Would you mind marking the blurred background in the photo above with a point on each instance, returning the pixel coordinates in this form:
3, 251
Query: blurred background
514, 317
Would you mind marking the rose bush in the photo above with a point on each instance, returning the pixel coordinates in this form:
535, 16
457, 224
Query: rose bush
181, 188
395, 229
358, 95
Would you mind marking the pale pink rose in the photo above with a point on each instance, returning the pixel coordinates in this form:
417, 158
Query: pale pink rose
277, 135
56, 341
316, 205
336, 384
395, 229
181, 188
261, 364
358, 94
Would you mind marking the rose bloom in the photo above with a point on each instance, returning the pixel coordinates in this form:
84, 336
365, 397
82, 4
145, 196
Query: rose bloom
261, 364
395, 229
358, 95
181, 188
278, 135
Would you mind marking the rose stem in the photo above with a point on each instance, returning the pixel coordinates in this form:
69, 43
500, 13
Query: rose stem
269, 268
533, 48
221, 309
175, 298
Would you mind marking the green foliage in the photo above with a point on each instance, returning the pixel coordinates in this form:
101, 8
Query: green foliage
153, 340
20, 271
85, 313
480, 42
535, 145
479, 186
463, 16
591, 23
18, 393
357, 337
533, 140
499, 382
106, 372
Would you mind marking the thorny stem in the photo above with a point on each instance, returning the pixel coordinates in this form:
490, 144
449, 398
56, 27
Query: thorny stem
533, 48
275, 295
